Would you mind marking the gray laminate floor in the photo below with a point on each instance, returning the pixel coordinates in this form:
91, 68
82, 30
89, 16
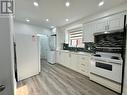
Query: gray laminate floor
58, 80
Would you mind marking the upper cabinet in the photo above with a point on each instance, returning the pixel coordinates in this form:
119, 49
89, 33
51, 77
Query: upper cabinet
88, 31
115, 22
109, 23
100, 25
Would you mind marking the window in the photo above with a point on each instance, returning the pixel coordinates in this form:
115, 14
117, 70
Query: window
75, 38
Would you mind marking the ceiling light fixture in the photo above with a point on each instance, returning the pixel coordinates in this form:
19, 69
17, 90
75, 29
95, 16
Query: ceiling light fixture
67, 20
101, 3
27, 20
67, 4
47, 20
36, 4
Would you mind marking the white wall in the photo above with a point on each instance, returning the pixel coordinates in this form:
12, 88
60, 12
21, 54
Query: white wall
7, 56
27, 28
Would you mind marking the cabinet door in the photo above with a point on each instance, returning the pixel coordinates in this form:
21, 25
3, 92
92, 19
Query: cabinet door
62, 58
84, 65
57, 57
116, 22
73, 62
65, 60
89, 29
100, 25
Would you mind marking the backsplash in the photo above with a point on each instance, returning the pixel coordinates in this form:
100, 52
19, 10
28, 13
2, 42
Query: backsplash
88, 47
109, 40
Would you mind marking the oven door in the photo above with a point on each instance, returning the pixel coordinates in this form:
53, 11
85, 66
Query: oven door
106, 70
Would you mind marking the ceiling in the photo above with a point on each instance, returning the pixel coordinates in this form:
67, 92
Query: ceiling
56, 11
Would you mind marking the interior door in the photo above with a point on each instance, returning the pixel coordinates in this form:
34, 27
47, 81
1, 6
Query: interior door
27, 56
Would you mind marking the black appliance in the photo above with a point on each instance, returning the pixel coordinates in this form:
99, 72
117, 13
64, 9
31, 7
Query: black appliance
124, 53
15, 62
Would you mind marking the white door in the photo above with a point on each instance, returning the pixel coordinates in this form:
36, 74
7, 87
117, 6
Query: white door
6, 57
27, 56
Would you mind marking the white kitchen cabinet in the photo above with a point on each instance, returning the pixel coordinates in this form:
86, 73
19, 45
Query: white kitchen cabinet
73, 61
101, 24
115, 22
84, 64
88, 31
65, 59
77, 62
110, 23
58, 57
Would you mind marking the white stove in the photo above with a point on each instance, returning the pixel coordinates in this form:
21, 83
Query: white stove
107, 65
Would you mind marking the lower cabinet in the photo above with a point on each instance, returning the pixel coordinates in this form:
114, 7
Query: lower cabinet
84, 64
63, 58
76, 62
73, 61
58, 57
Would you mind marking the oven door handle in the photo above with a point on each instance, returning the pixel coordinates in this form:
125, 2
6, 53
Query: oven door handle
107, 61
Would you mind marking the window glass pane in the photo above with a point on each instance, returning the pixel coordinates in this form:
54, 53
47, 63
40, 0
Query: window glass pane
80, 43
74, 43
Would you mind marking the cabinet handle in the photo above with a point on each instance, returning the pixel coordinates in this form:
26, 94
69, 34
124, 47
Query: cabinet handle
108, 27
105, 27
2, 87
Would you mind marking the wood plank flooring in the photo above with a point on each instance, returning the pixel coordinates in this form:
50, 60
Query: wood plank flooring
59, 80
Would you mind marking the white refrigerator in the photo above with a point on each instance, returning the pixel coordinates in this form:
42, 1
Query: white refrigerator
28, 55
